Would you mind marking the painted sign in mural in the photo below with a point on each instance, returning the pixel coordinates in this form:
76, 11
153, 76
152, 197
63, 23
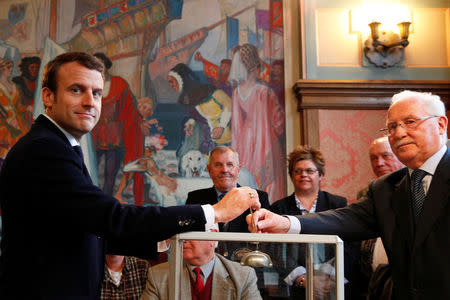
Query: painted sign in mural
181, 78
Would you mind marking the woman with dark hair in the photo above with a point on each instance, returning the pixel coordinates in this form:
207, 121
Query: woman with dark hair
306, 169
208, 109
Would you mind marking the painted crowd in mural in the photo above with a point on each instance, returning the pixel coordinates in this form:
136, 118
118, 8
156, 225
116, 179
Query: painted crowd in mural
181, 78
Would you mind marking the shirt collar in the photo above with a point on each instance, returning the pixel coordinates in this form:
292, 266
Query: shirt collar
432, 162
302, 208
206, 268
72, 140
219, 192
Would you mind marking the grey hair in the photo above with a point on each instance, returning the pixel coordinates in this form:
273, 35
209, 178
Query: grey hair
433, 103
223, 149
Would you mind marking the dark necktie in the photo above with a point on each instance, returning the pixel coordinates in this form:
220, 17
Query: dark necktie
78, 150
417, 191
199, 282
221, 196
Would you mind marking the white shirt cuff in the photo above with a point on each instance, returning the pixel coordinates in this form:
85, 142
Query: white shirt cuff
295, 225
163, 246
290, 279
210, 217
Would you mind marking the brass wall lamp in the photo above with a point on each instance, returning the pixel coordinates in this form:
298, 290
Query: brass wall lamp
385, 48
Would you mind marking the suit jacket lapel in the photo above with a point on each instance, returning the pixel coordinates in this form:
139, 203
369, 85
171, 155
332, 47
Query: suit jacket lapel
221, 287
436, 199
185, 292
45, 122
402, 209
211, 195
321, 204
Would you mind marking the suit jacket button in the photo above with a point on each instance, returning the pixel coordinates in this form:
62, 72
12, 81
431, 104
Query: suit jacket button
180, 223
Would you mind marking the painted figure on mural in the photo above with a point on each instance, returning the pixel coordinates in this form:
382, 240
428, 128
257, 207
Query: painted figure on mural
277, 80
208, 111
257, 123
26, 83
217, 75
12, 121
118, 135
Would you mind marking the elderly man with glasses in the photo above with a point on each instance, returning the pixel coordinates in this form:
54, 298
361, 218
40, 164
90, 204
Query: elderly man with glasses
409, 209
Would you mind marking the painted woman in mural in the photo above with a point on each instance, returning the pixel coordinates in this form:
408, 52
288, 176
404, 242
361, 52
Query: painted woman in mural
117, 136
257, 123
12, 121
208, 109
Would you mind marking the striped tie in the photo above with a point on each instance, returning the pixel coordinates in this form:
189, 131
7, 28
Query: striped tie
417, 192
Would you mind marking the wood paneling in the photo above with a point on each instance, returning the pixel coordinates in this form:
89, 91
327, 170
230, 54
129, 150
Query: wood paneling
361, 94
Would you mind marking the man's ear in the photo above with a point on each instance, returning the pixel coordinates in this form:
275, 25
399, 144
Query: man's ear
48, 97
443, 123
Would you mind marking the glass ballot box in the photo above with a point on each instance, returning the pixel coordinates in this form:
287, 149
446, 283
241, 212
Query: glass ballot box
287, 266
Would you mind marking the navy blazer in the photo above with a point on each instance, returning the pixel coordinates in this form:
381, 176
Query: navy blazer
209, 196
57, 225
418, 254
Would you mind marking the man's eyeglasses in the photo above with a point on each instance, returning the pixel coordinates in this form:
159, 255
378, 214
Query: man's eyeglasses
308, 171
408, 124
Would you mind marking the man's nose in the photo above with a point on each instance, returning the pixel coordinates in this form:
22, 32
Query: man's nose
380, 161
88, 99
399, 131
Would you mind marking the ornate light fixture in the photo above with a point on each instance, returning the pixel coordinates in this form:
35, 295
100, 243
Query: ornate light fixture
385, 48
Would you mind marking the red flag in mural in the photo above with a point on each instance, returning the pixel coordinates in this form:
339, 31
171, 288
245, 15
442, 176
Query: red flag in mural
210, 69
276, 14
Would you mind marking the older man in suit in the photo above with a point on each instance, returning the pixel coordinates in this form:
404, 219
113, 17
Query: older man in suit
223, 167
409, 209
206, 275
57, 225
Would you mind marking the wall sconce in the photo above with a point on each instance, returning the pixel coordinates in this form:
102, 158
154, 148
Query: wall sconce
385, 48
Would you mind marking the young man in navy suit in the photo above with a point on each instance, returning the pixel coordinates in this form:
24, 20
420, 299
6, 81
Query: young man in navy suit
409, 209
57, 225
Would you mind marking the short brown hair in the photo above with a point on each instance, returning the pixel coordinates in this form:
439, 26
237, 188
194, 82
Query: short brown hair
50, 79
306, 153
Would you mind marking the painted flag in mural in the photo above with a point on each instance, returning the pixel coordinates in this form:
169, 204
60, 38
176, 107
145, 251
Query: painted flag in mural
210, 69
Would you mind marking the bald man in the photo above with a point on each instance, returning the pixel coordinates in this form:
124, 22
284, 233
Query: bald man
382, 160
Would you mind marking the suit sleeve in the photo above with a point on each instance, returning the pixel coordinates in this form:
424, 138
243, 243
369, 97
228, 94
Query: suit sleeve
354, 222
71, 200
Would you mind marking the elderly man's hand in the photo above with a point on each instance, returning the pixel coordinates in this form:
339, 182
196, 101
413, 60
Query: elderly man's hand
268, 222
235, 203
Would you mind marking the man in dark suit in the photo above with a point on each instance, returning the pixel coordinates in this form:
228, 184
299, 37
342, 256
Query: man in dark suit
223, 168
57, 224
410, 213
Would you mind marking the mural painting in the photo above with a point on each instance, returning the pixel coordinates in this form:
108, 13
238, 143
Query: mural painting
181, 77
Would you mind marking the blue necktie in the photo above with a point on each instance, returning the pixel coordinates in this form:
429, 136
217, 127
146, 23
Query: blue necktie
417, 192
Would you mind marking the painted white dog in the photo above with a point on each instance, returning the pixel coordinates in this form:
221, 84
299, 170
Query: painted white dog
193, 164
168, 191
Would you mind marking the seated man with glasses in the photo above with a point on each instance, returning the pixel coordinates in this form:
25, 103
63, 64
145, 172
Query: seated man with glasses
409, 209
306, 169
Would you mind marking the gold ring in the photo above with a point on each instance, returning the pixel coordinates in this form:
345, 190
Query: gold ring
251, 195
